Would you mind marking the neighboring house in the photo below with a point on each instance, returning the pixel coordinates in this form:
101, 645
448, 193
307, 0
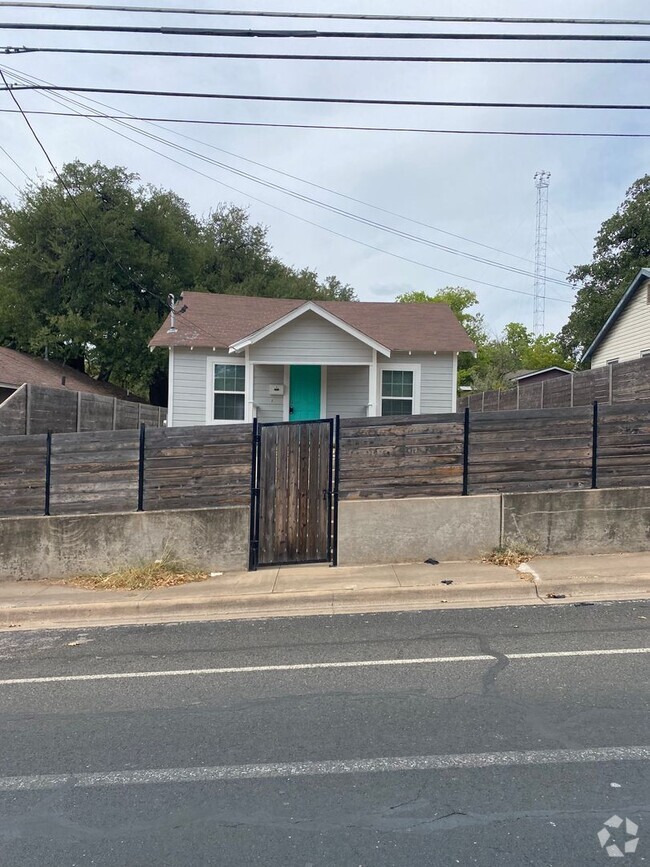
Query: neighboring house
235, 358
529, 377
626, 334
18, 368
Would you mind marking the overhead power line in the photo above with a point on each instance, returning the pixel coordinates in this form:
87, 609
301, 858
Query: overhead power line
97, 119
327, 34
326, 100
349, 16
345, 127
356, 58
323, 205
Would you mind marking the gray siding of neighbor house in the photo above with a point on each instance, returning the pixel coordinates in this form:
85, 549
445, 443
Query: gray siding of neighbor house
630, 334
437, 386
270, 408
347, 392
310, 339
189, 383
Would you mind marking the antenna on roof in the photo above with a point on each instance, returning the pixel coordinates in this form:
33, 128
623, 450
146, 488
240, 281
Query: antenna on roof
171, 303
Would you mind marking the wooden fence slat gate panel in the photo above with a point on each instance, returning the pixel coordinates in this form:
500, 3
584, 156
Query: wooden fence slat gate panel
294, 492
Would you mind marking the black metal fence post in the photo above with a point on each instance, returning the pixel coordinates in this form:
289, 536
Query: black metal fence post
255, 495
48, 471
141, 470
466, 453
594, 447
337, 476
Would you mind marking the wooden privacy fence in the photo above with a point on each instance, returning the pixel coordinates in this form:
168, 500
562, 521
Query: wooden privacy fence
614, 384
34, 409
415, 456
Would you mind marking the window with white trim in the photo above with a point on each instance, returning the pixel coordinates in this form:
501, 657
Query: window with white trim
645, 353
397, 392
229, 399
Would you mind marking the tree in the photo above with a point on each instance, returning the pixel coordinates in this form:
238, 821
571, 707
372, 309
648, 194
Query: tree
622, 248
88, 280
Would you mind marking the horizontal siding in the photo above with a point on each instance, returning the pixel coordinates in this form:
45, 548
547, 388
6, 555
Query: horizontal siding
630, 335
189, 388
310, 340
347, 392
437, 384
270, 408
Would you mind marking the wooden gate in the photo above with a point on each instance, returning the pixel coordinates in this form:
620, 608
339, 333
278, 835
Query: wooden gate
293, 515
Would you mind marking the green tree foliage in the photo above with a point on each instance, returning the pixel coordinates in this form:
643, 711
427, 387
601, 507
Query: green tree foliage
622, 248
68, 285
515, 349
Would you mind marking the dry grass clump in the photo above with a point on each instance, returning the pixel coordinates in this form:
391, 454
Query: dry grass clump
509, 555
166, 572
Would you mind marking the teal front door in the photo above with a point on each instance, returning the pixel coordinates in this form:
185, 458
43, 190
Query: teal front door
304, 392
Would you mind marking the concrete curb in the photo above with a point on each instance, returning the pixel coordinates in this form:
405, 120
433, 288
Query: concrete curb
267, 604
105, 612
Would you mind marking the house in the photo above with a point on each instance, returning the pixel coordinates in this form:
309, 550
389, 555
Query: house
235, 358
626, 334
18, 368
529, 377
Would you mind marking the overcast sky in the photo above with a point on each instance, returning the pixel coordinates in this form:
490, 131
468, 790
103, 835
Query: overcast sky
476, 186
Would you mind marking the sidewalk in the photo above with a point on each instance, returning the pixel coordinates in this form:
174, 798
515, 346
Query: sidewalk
303, 590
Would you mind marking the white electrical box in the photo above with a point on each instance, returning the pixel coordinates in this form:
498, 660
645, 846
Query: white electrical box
276, 389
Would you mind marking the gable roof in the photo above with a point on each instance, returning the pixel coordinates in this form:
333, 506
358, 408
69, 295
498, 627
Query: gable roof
17, 368
524, 374
224, 320
641, 277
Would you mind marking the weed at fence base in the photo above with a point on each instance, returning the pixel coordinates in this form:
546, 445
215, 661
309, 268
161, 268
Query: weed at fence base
165, 572
509, 555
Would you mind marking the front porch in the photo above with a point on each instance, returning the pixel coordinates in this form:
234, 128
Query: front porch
299, 392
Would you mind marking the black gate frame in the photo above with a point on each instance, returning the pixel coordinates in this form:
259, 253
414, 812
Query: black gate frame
332, 490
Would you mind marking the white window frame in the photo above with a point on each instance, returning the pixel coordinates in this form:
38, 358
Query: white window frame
210, 392
611, 361
645, 353
415, 369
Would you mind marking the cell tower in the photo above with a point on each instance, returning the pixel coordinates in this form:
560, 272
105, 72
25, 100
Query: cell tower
542, 181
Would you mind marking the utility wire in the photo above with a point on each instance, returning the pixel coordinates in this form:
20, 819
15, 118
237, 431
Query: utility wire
349, 16
18, 166
327, 34
357, 58
96, 120
322, 100
318, 203
346, 127
10, 182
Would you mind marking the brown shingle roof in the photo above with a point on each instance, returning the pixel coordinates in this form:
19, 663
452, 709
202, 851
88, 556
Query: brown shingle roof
221, 320
17, 368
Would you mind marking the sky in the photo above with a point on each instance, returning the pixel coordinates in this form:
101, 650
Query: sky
478, 187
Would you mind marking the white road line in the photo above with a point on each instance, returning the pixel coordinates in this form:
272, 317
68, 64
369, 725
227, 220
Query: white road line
162, 776
310, 666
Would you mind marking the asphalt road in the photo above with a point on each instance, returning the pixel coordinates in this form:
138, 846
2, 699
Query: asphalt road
491, 737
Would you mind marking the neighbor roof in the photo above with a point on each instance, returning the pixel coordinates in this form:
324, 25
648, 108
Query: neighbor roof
641, 277
524, 374
222, 320
17, 368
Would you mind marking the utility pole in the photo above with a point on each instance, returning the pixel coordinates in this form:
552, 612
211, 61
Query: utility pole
542, 181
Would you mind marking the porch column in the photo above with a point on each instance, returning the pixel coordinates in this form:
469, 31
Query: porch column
372, 385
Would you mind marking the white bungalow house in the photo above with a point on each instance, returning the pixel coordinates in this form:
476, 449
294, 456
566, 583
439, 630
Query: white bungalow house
235, 358
626, 334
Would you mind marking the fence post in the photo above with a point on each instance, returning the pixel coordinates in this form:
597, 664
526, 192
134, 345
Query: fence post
28, 409
498, 400
78, 411
141, 470
466, 453
337, 480
517, 395
48, 472
253, 541
594, 447
541, 398
114, 413
572, 389
611, 384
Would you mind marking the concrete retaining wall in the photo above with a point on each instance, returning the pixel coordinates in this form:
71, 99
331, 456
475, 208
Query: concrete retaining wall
411, 530
60, 547
579, 522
